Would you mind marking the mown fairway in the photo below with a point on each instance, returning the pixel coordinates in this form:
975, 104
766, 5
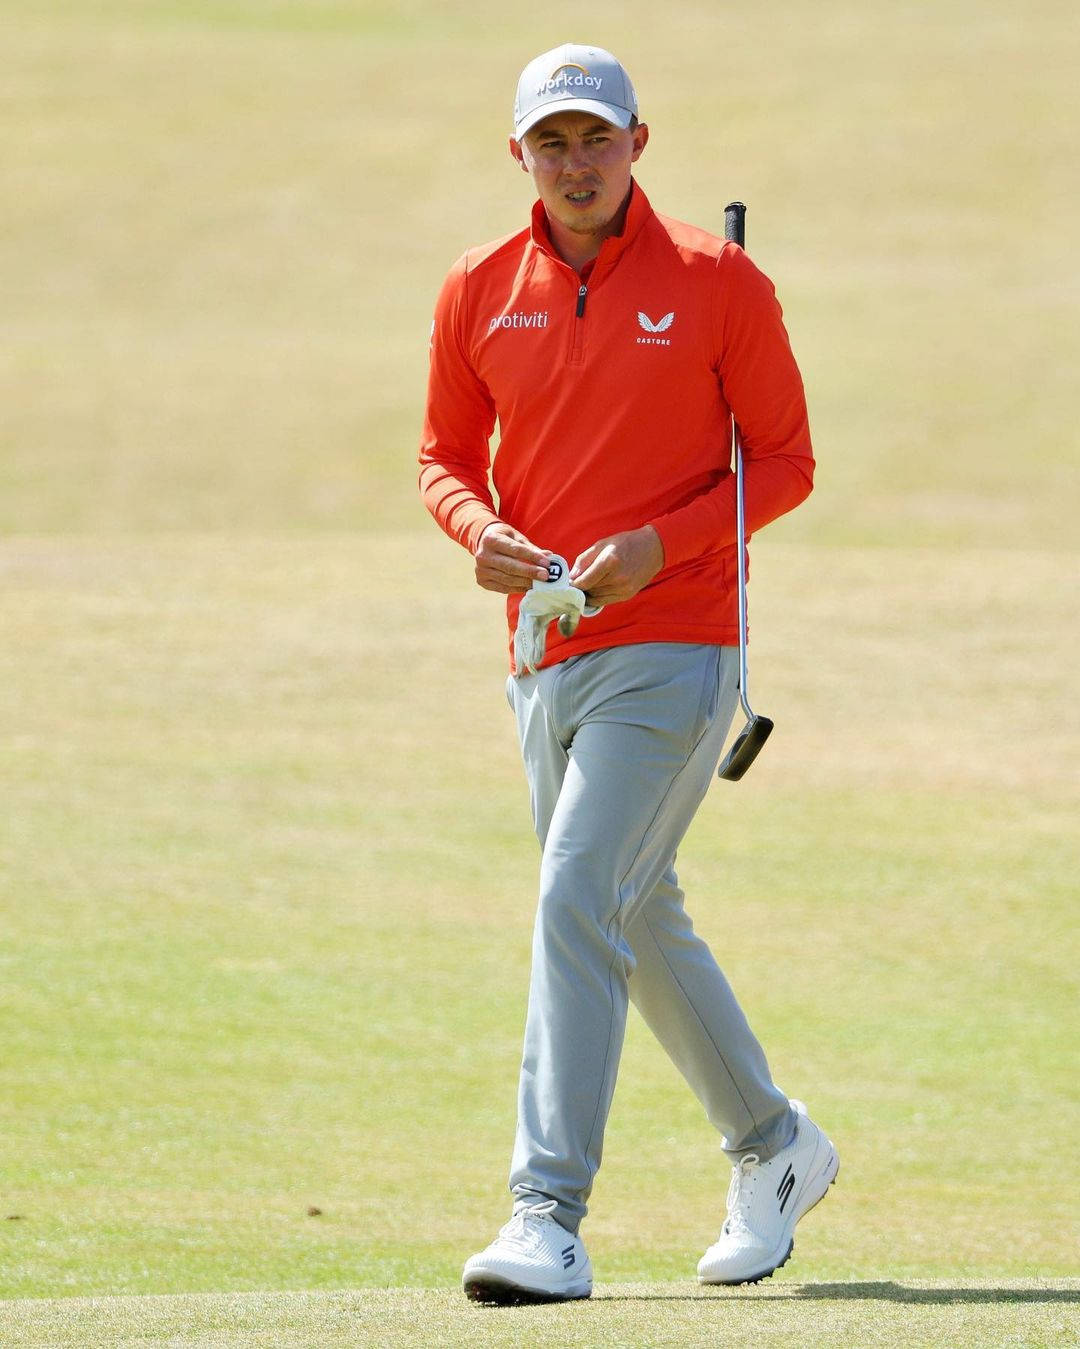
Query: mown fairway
266, 869
966, 1315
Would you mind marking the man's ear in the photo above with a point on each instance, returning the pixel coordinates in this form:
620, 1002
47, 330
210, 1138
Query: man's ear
641, 139
517, 153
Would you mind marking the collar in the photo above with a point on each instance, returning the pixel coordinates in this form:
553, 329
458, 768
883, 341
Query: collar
637, 213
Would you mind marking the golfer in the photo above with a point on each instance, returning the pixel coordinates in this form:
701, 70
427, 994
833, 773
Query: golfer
612, 345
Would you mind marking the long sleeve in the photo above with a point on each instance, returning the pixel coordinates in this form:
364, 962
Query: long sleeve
455, 456
616, 413
764, 389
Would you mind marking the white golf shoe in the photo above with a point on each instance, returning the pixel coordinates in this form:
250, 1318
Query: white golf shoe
533, 1259
765, 1201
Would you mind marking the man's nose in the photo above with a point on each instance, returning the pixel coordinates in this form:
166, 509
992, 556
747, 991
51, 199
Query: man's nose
576, 159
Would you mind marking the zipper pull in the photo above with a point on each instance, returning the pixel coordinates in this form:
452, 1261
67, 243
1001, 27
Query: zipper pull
583, 292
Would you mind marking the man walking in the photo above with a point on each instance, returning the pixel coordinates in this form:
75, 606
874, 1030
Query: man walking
613, 345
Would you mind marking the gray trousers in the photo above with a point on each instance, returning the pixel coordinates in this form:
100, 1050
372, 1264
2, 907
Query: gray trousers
619, 747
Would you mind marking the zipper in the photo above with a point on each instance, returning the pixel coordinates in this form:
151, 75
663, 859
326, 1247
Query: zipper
577, 346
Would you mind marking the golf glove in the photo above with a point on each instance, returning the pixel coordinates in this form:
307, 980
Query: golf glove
548, 600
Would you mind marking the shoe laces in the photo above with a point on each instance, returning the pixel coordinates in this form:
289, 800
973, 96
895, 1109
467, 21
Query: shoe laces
520, 1232
740, 1194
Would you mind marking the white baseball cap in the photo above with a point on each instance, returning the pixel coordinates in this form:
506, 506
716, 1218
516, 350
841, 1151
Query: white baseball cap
572, 78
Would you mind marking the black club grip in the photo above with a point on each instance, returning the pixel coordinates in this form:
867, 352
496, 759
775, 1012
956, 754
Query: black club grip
735, 223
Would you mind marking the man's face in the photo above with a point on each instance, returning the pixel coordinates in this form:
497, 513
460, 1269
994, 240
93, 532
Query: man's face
581, 168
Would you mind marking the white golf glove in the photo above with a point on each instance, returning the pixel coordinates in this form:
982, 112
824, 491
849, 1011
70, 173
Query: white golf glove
548, 600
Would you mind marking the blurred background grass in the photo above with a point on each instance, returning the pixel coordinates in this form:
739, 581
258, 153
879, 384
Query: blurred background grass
265, 860
226, 223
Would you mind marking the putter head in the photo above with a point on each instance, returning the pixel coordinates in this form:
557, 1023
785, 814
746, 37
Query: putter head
745, 749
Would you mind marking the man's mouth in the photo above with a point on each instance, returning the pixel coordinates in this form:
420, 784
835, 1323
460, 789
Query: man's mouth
581, 197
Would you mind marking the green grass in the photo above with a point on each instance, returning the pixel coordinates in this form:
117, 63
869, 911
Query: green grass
266, 868
965, 1316
269, 908
227, 223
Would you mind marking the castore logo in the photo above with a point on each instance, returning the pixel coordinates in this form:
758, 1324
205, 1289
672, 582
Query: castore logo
661, 326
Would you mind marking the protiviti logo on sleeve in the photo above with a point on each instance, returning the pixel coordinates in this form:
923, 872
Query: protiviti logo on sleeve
570, 76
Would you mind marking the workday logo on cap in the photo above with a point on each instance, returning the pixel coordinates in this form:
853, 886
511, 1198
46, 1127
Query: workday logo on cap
572, 78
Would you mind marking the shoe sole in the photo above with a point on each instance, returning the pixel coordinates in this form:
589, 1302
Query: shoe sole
495, 1293
829, 1174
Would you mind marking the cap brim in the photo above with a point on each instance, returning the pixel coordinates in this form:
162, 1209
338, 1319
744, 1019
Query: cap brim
607, 112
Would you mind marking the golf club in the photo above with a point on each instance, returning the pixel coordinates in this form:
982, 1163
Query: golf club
757, 729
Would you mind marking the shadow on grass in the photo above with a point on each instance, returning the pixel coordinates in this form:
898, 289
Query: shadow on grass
886, 1291
898, 1292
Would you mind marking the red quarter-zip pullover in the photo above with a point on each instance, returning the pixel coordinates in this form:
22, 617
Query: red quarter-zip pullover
613, 398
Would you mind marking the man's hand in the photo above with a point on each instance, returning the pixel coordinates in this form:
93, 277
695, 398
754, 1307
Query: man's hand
507, 562
616, 568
